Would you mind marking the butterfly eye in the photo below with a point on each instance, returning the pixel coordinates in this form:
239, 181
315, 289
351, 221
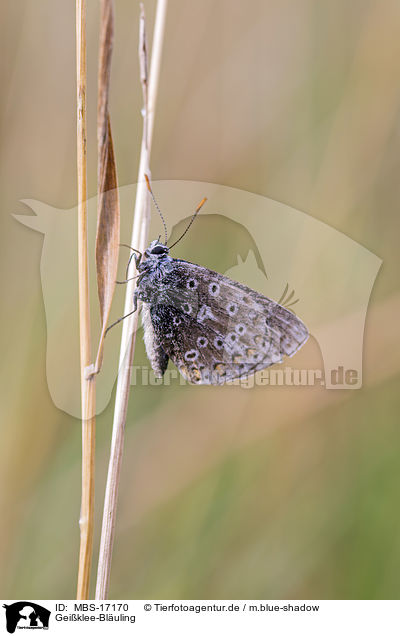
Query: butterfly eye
159, 249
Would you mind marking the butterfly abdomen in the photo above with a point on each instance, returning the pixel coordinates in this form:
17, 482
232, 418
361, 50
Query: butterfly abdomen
155, 353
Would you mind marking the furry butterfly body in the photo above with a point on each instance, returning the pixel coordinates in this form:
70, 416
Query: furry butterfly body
212, 328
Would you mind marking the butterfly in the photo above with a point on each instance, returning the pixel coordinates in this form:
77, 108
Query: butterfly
214, 329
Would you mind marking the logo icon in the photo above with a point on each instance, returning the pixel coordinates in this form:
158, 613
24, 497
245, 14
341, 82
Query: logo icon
26, 615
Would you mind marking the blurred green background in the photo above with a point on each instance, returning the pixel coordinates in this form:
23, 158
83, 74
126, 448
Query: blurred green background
270, 493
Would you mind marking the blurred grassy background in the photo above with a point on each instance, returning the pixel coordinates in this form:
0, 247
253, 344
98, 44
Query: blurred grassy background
270, 493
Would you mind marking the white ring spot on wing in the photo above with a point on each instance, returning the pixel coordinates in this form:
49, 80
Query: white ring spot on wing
202, 342
192, 283
213, 288
232, 338
232, 309
193, 354
186, 308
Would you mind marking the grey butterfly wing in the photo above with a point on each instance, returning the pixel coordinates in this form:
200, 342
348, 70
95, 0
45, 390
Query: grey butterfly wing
199, 351
244, 330
234, 303
229, 304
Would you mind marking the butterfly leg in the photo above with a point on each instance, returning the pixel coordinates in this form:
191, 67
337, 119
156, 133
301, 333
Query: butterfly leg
135, 302
137, 256
123, 282
131, 248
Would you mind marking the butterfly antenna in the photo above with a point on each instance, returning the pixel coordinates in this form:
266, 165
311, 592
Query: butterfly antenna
158, 209
202, 202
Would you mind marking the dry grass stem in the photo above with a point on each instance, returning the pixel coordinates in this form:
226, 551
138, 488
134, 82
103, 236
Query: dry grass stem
139, 240
88, 394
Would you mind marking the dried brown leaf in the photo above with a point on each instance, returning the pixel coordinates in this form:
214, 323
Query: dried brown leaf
108, 213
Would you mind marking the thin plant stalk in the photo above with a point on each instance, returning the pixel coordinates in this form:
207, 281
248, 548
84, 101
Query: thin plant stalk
139, 240
88, 386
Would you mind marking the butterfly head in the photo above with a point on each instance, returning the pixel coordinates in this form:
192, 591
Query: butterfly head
156, 259
156, 250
